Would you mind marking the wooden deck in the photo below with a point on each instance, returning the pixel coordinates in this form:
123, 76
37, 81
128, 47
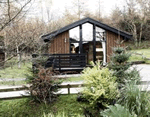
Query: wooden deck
66, 62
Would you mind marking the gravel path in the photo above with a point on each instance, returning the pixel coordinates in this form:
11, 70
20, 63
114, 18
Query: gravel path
144, 70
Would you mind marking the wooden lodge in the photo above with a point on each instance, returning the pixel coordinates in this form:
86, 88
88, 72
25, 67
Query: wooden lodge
75, 45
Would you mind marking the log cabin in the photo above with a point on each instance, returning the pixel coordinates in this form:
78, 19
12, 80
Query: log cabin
76, 44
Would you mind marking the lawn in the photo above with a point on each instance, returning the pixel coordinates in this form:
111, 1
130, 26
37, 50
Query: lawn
15, 72
137, 57
27, 108
73, 79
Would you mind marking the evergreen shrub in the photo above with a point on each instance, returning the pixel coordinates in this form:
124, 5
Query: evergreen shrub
101, 88
120, 66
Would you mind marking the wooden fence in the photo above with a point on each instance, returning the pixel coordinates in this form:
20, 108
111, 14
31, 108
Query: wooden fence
25, 90
4, 91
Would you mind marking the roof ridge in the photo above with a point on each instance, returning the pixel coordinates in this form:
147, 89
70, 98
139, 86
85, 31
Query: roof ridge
104, 26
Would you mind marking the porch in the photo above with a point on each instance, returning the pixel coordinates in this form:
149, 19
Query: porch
63, 62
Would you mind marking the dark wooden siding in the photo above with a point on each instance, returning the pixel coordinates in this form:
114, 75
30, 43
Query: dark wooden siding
58, 45
111, 41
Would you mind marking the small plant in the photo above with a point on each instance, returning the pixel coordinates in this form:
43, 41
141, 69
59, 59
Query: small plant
63, 114
39, 61
135, 100
44, 86
119, 65
101, 89
117, 111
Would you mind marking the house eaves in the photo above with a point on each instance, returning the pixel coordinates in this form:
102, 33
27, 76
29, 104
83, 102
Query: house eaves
51, 35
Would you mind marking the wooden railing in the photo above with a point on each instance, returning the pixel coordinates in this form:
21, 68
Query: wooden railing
64, 62
69, 62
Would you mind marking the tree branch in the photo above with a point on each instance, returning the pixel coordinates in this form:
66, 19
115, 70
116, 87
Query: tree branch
8, 10
13, 18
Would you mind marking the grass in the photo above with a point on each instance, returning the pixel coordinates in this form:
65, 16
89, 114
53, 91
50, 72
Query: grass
143, 45
12, 83
73, 79
15, 72
26, 108
144, 52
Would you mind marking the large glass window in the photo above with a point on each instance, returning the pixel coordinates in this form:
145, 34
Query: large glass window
87, 41
74, 34
87, 32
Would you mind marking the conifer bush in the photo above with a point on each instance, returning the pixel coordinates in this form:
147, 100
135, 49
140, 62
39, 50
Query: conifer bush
119, 65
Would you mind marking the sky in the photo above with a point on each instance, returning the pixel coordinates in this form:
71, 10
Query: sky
57, 7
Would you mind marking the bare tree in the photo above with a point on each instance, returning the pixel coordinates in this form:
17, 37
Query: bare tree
80, 6
144, 15
138, 13
10, 10
22, 37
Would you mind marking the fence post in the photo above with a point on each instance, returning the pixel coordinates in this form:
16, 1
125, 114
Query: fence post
69, 89
59, 63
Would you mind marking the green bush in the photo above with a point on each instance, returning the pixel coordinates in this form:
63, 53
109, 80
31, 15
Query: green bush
117, 111
39, 61
101, 89
120, 66
135, 100
132, 75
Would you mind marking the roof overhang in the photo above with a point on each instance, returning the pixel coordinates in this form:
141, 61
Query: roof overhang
51, 35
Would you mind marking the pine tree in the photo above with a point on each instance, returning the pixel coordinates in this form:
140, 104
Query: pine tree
119, 64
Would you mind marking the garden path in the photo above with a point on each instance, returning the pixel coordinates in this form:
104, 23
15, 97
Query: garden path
144, 70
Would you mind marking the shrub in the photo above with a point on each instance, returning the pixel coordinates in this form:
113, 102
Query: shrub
101, 89
119, 64
120, 67
132, 75
117, 111
135, 100
44, 86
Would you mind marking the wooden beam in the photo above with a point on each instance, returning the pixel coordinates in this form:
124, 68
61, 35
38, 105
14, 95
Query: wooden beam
80, 43
94, 43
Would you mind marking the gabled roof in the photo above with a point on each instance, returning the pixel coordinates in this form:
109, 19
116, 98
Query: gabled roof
49, 36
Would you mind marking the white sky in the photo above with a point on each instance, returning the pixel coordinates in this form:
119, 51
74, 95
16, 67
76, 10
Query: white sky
58, 6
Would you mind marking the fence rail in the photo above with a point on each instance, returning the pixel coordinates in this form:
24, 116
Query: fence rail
13, 92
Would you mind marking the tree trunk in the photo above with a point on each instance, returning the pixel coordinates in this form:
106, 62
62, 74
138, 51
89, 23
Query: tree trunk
135, 34
140, 34
19, 57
